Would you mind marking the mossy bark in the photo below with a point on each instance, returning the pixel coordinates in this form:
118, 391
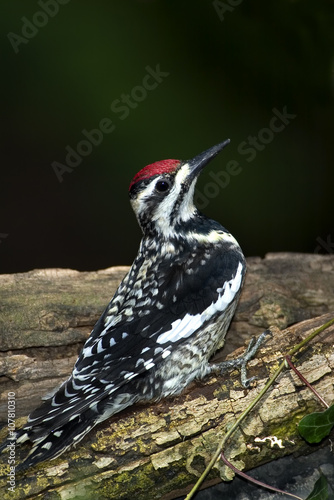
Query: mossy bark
158, 450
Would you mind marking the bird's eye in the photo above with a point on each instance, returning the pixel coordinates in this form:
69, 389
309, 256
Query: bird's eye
162, 186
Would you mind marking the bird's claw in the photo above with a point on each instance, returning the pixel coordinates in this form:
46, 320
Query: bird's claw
241, 362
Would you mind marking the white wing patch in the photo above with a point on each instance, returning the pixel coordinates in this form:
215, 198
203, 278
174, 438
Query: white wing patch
182, 329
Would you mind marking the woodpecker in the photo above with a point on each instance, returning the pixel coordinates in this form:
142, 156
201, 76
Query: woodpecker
168, 316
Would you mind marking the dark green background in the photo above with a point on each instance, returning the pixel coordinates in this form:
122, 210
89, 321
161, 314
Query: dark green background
226, 73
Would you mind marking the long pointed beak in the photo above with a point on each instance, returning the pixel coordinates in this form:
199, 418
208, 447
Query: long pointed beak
198, 163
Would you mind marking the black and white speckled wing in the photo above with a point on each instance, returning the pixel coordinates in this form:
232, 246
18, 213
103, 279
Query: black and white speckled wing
178, 300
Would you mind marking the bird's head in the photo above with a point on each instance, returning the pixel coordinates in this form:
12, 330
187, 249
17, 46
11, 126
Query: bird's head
162, 193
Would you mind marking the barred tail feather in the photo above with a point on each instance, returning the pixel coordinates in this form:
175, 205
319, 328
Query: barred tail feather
58, 441
62, 422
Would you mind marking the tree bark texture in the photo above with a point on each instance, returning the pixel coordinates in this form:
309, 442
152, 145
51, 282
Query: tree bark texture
158, 450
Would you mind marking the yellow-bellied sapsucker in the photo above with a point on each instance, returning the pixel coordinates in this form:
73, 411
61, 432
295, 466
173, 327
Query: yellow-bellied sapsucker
168, 316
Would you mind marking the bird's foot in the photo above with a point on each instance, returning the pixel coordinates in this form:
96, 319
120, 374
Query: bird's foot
241, 361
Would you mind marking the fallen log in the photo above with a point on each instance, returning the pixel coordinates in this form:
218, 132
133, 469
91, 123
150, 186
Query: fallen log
158, 450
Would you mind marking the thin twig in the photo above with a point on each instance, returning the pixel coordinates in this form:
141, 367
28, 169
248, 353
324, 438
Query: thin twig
303, 379
253, 480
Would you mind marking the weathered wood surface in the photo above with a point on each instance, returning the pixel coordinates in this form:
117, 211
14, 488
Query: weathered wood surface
158, 450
